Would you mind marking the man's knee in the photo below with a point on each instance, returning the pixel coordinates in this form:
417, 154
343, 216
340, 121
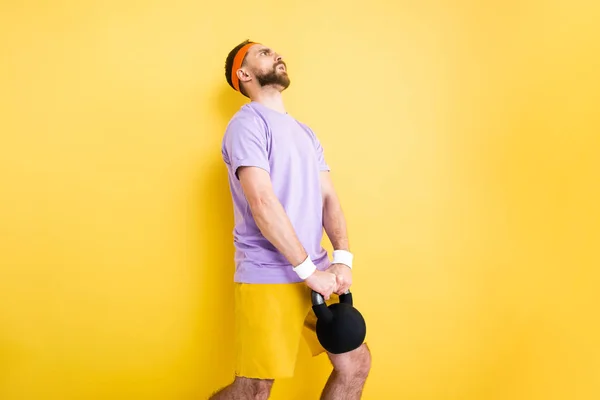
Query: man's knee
245, 388
260, 389
356, 363
363, 362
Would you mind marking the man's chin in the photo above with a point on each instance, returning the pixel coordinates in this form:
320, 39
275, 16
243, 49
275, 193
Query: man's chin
281, 86
285, 81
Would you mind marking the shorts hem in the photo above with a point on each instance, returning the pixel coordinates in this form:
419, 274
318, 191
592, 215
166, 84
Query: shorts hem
270, 377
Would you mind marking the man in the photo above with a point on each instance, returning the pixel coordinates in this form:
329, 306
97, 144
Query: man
283, 199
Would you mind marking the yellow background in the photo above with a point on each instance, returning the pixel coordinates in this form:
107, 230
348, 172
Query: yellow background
464, 142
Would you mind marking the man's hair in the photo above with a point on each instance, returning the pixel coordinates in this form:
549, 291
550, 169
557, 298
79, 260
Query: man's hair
229, 65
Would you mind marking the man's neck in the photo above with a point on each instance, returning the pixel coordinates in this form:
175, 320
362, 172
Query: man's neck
271, 99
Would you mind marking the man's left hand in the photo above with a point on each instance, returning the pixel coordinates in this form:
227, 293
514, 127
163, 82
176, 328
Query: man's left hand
343, 275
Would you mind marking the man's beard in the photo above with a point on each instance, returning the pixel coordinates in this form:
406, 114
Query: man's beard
274, 77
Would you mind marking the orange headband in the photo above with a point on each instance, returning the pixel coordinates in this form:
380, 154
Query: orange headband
237, 64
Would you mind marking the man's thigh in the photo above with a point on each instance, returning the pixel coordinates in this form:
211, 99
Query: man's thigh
268, 327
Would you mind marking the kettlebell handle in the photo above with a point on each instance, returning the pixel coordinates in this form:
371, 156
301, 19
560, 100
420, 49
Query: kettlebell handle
318, 299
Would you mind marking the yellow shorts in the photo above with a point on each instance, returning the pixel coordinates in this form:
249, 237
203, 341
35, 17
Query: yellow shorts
270, 321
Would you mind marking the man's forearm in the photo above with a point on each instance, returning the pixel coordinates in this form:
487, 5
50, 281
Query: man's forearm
275, 225
334, 223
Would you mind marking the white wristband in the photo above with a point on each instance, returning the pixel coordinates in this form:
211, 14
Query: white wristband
305, 269
343, 257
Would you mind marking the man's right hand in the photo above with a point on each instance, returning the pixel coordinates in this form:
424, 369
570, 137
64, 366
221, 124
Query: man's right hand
322, 282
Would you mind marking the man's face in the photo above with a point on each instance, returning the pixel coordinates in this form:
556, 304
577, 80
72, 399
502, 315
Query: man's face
268, 67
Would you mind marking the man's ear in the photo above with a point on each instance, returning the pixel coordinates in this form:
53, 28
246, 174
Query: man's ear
243, 76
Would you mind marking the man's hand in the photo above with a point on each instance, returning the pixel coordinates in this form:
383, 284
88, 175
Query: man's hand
322, 282
343, 275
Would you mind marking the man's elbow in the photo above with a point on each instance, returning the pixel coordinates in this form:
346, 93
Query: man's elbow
329, 200
261, 202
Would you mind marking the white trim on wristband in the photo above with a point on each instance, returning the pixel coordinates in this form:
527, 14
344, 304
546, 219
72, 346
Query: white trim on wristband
305, 269
343, 257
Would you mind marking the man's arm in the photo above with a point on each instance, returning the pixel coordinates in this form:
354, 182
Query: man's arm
334, 221
269, 214
276, 227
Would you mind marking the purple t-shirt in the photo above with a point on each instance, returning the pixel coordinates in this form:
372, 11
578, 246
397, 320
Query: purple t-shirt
290, 151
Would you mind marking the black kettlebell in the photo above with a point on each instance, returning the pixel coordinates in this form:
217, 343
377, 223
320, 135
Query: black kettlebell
340, 327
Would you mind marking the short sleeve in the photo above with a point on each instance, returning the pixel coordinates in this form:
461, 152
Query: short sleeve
245, 145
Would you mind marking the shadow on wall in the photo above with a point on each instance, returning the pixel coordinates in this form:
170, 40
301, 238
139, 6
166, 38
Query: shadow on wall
214, 312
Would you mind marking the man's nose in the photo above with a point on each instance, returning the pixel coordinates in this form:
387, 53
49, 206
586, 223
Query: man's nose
278, 57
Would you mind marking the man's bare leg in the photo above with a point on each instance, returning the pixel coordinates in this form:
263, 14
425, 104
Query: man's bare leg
350, 371
245, 389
